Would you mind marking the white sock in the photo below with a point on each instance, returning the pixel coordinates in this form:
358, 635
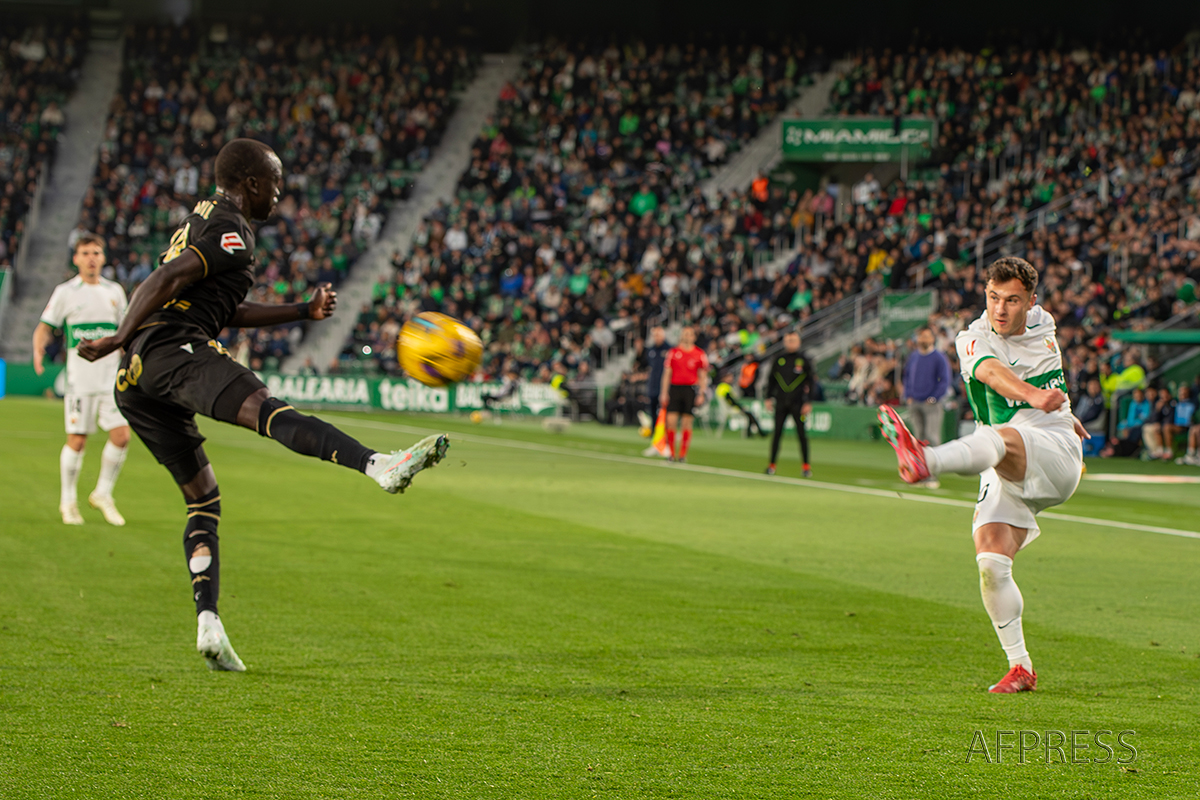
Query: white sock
69, 464
375, 465
112, 458
1004, 604
969, 455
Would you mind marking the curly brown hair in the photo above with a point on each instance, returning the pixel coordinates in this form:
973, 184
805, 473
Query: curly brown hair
1006, 269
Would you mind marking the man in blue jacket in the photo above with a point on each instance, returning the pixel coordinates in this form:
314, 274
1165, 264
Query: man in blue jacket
926, 384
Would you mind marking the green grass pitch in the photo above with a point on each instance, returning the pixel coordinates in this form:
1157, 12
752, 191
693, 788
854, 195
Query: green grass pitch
540, 617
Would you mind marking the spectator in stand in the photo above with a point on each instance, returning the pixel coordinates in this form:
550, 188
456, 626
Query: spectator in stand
39, 66
1089, 409
1182, 416
654, 357
1193, 442
351, 115
1129, 431
1153, 432
927, 384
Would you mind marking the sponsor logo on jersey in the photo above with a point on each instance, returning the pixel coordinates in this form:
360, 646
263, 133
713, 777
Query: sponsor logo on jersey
971, 348
232, 242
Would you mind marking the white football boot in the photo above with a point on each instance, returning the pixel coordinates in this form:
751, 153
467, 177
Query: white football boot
107, 507
214, 645
71, 515
398, 470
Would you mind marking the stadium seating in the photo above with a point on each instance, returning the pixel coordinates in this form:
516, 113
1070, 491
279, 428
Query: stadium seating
580, 217
351, 115
39, 66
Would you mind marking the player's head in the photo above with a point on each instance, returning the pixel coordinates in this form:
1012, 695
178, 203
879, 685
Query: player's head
251, 169
925, 339
687, 337
1011, 290
791, 341
88, 257
658, 335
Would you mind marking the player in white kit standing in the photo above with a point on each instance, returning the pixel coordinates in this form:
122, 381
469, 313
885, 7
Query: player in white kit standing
1026, 446
87, 307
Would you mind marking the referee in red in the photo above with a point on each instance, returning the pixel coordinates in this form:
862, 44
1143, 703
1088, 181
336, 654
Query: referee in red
684, 382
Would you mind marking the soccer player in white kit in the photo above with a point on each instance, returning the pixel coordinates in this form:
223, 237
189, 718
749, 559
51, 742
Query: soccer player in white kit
87, 307
1026, 446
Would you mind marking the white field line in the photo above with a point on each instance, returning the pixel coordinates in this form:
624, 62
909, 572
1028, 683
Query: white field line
750, 476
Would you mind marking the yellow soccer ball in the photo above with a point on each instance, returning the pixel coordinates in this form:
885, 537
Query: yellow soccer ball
477, 417
437, 349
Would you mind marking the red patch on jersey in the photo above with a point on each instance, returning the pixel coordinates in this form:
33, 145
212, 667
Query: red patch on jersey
231, 242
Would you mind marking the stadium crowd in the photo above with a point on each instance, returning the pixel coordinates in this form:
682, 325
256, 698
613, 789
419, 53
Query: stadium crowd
581, 221
580, 217
39, 67
351, 115
565, 236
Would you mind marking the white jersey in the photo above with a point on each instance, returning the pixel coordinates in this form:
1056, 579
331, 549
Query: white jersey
1033, 356
87, 311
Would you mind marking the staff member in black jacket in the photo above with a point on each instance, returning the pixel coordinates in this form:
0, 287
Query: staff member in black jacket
790, 388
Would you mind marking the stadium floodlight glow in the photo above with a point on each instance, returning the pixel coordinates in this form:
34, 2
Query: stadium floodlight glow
366, 350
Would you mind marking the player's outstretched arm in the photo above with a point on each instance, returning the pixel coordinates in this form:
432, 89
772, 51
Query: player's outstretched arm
43, 334
164, 284
996, 375
262, 315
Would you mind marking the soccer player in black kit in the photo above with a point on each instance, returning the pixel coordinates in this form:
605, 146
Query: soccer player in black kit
174, 368
790, 388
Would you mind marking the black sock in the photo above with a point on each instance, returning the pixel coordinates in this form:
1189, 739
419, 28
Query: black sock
204, 516
310, 436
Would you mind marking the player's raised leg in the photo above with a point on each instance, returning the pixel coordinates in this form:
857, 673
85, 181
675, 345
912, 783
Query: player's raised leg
973, 454
995, 545
307, 435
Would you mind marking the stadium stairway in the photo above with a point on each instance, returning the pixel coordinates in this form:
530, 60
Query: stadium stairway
766, 150
436, 182
48, 261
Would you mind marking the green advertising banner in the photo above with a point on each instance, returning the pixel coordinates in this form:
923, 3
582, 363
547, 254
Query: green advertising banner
365, 394
402, 394
904, 312
857, 139
21, 379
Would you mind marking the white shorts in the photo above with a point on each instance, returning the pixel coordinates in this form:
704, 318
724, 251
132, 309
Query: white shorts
82, 411
1053, 467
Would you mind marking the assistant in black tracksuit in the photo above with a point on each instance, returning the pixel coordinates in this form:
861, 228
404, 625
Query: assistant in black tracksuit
791, 386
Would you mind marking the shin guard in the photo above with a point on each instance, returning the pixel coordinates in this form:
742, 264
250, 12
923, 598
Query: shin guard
203, 517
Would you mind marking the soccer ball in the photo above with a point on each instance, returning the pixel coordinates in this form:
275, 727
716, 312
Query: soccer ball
436, 349
477, 417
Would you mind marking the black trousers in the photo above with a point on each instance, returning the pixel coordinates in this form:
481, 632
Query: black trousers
782, 412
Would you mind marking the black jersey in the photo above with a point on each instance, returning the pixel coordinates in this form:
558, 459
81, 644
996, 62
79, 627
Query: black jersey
224, 240
791, 379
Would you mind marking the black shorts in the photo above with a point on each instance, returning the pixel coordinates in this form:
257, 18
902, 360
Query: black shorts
169, 376
681, 400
